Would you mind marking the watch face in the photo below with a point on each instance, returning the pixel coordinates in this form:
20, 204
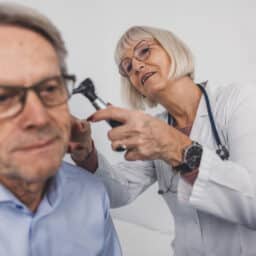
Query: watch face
193, 156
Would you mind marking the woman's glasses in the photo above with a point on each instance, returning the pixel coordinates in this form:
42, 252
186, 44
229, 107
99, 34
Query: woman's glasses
141, 52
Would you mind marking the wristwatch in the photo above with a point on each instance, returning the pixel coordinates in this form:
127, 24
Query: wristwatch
191, 158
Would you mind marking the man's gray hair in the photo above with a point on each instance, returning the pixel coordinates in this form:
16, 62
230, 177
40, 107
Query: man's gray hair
26, 17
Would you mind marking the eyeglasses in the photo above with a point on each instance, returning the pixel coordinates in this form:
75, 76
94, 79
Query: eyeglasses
52, 91
141, 52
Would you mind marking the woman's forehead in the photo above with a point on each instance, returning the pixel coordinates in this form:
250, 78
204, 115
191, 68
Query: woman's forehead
128, 44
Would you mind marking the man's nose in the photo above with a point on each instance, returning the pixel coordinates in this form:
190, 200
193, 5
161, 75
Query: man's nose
34, 114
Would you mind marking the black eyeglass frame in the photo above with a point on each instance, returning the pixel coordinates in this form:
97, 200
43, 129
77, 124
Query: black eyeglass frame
23, 91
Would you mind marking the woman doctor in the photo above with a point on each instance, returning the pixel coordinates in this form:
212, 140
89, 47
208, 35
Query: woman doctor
200, 150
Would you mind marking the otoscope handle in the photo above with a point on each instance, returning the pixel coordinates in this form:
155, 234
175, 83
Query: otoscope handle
98, 103
114, 123
87, 89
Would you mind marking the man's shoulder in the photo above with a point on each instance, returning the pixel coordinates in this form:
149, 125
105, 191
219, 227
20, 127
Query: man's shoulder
76, 178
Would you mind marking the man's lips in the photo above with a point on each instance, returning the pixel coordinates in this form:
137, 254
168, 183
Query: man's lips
37, 145
146, 76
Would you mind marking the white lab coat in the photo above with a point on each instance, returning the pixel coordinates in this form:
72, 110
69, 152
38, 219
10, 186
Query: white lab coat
217, 216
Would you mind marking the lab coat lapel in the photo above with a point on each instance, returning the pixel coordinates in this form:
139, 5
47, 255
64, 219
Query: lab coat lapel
201, 129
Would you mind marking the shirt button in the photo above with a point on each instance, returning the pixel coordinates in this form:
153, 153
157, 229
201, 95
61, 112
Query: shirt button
19, 207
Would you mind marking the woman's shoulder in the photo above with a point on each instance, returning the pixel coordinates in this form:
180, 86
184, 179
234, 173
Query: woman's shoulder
236, 93
234, 99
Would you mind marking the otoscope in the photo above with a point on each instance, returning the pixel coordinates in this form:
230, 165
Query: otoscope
87, 89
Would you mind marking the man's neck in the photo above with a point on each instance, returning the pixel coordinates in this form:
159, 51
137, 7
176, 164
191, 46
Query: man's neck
28, 193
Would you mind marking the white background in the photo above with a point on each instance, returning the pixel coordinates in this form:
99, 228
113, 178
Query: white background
222, 36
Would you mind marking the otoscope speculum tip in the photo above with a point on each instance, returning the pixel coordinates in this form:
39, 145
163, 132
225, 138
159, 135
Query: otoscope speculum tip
85, 85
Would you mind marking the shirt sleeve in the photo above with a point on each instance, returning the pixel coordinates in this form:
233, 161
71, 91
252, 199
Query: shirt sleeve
126, 180
227, 189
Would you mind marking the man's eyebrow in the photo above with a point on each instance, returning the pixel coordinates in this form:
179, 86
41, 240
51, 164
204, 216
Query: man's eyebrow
48, 78
10, 84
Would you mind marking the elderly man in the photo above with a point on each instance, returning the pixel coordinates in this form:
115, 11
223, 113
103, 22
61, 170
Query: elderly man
46, 207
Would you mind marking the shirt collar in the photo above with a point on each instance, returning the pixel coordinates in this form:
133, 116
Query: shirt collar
202, 108
54, 191
7, 196
52, 196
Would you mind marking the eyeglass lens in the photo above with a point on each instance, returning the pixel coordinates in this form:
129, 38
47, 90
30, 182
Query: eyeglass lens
141, 53
52, 92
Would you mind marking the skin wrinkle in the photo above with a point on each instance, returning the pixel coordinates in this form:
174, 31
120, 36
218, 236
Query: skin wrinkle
41, 134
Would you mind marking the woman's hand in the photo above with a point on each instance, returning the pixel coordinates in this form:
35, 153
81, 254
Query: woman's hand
145, 137
80, 144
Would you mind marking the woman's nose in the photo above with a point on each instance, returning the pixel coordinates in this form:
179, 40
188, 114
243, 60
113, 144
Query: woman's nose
137, 65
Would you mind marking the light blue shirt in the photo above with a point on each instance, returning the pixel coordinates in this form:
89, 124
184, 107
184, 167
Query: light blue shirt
72, 219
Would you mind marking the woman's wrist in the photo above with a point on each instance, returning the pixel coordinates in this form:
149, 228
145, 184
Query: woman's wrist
191, 176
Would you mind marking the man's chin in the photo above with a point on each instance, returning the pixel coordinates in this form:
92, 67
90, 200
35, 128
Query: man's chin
37, 177
35, 173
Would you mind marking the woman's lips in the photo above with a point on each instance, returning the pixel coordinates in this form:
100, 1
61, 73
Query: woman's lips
146, 76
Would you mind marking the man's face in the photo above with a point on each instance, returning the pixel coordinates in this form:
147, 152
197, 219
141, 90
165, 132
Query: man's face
32, 144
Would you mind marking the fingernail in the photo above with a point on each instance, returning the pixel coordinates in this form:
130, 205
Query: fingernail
90, 118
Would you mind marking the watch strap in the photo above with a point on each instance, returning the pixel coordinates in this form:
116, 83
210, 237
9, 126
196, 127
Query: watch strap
182, 168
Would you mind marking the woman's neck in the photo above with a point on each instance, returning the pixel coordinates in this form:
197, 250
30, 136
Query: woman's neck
181, 99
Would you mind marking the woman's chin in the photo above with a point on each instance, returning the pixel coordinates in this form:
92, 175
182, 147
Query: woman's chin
153, 90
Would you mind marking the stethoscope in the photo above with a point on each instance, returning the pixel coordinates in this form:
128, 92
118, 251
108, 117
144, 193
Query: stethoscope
221, 151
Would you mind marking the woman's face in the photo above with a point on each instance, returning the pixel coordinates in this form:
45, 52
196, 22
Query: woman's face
147, 65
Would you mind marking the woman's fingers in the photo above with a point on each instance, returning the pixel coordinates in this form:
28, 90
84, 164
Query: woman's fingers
111, 113
132, 155
120, 132
137, 148
137, 123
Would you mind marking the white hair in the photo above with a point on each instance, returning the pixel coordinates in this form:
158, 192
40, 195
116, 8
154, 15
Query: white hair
179, 53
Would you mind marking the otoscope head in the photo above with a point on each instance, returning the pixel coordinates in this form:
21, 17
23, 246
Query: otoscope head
86, 88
